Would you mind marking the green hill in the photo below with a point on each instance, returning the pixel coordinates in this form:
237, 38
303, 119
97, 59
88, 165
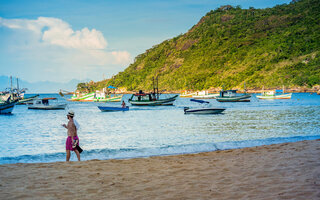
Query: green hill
229, 46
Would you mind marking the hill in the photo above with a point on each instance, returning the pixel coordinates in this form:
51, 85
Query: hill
231, 46
38, 87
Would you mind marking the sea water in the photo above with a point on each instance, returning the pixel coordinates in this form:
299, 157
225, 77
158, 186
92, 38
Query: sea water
30, 136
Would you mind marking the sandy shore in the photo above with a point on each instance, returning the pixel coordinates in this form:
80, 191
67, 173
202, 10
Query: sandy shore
282, 171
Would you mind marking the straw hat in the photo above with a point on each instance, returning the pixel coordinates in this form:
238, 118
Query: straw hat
71, 113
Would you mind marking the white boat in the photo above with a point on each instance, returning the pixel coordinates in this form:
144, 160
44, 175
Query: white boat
273, 95
43, 104
204, 95
203, 111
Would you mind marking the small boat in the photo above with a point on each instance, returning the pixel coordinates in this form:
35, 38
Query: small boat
28, 100
186, 94
98, 96
82, 97
232, 96
43, 104
113, 109
151, 99
6, 107
273, 95
204, 95
202, 111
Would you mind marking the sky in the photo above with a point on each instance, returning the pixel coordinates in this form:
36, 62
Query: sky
42, 40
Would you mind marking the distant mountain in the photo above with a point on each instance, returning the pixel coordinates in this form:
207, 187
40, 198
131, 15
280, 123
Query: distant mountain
231, 46
41, 86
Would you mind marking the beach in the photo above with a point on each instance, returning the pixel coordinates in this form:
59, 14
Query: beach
278, 171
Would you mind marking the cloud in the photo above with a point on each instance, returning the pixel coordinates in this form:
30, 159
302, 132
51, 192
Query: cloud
54, 31
52, 49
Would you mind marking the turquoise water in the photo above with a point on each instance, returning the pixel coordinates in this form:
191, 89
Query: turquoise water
37, 136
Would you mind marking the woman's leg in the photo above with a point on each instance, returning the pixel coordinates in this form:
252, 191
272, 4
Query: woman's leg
78, 154
68, 155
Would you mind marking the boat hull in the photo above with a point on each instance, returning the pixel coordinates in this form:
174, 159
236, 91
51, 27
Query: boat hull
204, 111
6, 108
209, 96
49, 107
243, 98
112, 109
160, 102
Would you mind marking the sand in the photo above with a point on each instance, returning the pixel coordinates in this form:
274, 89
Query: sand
281, 171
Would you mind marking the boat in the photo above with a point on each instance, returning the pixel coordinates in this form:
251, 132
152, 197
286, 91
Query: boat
232, 96
28, 100
113, 108
151, 99
186, 94
82, 97
43, 104
6, 107
98, 96
107, 98
202, 111
273, 95
204, 95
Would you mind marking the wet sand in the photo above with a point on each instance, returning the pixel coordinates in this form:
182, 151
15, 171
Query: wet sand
281, 171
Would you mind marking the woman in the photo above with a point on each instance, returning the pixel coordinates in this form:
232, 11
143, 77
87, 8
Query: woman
72, 139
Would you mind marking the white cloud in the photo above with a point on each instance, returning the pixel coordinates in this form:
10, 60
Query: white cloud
57, 32
51, 42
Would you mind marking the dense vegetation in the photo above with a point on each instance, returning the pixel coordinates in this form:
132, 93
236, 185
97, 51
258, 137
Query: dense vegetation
229, 46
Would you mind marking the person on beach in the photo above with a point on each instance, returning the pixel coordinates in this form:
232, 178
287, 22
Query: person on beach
72, 139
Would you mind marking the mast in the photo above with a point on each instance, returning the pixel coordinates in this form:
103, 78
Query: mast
11, 82
18, 85
158, 86
154, 89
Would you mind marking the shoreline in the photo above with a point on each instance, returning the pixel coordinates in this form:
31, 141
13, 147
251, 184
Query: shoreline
286, 170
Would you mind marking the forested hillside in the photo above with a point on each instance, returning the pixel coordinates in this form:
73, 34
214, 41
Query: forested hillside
229, 46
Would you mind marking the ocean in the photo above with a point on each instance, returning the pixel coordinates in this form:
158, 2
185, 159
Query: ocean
36, 136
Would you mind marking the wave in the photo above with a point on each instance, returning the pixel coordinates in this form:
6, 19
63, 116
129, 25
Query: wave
106, 154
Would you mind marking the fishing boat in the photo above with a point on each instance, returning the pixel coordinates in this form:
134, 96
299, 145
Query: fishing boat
113, 108
82, 97
186, 94
28, 100
151, 99
47, 104
6, 107
98, 96
232, 96
273, 95
204, 95
202, 111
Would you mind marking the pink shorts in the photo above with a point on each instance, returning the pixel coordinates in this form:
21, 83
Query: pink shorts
69, 143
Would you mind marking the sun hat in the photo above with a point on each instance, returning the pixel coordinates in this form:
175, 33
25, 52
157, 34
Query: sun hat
71, 113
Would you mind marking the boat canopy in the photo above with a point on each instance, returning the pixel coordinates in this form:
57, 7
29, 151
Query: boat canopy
111, 87
52, 98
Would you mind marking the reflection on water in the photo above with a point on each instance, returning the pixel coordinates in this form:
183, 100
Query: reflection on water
37, 136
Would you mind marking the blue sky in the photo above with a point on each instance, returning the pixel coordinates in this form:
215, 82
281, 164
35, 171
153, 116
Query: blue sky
58, 40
